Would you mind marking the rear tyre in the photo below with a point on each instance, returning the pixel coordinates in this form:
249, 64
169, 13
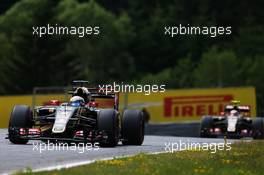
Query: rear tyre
108, 122
133, 127
21, 117
206, 125
258, 128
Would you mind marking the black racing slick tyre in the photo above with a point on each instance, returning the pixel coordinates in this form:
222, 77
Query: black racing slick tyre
206, 124
258, 128
133, 127
108, 122
21, 117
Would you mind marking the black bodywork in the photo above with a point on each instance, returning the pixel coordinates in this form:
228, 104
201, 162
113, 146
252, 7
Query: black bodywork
222, 123
244, 126
85, 123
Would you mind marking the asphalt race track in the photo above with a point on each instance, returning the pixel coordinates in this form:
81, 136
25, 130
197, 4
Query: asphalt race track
18, 157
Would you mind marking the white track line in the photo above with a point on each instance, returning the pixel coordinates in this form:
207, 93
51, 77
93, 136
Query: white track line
86, 162
75, 164
80, 163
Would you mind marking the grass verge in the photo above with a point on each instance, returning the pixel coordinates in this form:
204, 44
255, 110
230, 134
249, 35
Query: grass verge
245, 158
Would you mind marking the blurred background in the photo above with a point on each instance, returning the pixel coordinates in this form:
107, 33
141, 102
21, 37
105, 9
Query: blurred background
132, 47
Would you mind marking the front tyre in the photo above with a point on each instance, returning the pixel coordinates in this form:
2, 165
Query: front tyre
21, 117
206, 125
133, 127
108, 122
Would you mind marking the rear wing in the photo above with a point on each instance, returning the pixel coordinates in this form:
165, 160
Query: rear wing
79, 83
105, 100
98, 95
243, 109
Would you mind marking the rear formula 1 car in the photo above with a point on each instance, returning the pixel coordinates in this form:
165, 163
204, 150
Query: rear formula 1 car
233, 123
90, 119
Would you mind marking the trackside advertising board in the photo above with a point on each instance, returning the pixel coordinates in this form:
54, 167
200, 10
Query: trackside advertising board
6, 105
192, 104
8, 102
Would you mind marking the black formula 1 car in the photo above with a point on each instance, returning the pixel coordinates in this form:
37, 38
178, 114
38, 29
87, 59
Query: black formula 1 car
234, 122
84, 120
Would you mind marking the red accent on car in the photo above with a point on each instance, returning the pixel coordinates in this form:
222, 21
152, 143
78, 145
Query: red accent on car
52, 103
34, 131
244, 131
93, 104
79, 133
22, 131
55, 102
217, 130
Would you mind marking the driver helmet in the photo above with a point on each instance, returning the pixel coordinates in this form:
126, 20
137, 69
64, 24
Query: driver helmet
234, 113
77, 101
84, 93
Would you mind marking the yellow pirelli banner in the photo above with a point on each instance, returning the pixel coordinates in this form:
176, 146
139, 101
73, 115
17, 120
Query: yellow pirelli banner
191, 104
8, 102
6, 105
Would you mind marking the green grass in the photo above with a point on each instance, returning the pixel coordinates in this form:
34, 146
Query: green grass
244, 158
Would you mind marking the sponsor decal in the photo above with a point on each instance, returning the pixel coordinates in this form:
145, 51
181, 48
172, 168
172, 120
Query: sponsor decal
187, 106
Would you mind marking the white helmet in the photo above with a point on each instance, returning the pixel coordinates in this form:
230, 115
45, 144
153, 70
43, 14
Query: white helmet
77, 101
83, 92
234, 113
